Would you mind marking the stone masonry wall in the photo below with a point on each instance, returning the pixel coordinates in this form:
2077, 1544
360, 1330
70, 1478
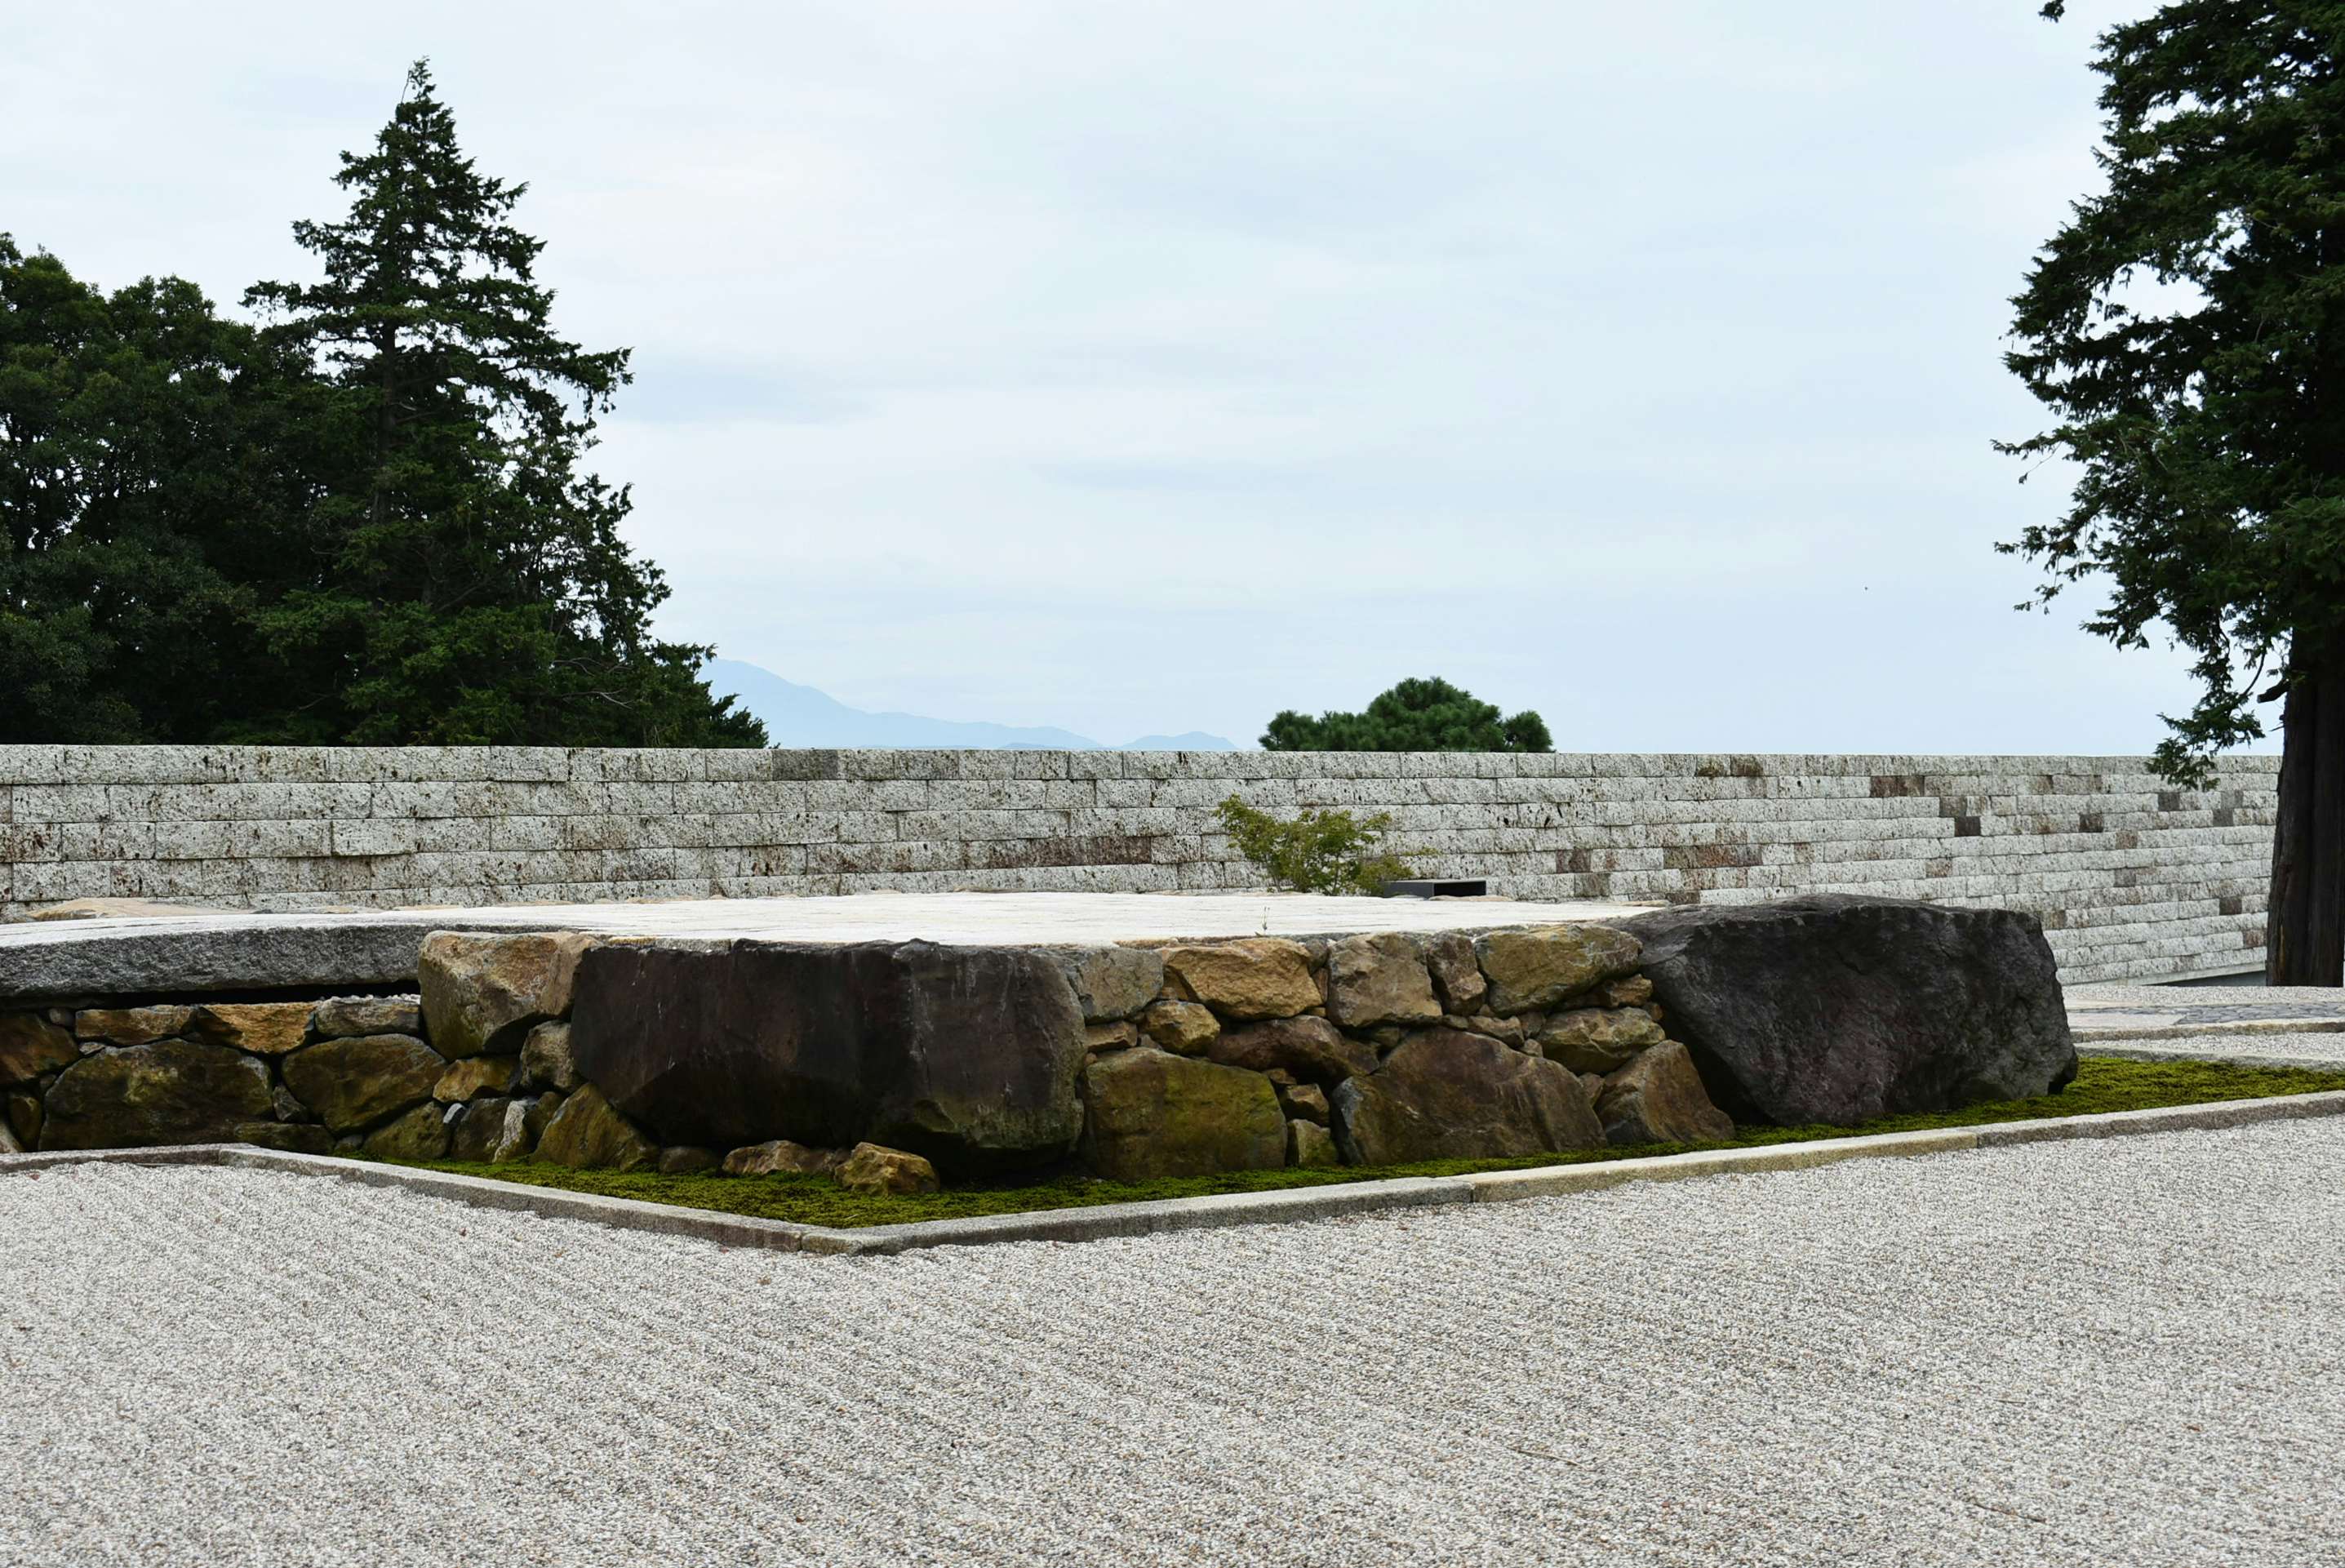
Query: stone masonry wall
2130, 878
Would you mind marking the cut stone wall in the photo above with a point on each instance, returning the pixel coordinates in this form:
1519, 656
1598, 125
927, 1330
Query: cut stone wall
2130, 877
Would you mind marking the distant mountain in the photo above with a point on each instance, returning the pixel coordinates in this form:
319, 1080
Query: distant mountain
800, 716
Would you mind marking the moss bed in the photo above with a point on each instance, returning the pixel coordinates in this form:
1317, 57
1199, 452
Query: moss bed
2103, 1083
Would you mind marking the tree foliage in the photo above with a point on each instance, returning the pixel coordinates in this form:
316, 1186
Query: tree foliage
1315, 851
367, 521
1414, 715
2206, 415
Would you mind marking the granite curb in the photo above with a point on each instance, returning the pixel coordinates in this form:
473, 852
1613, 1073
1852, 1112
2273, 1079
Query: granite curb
2084, 1034
1104, 1220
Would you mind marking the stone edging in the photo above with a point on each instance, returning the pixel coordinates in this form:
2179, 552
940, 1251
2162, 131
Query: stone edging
2085, 1034
1064, 1225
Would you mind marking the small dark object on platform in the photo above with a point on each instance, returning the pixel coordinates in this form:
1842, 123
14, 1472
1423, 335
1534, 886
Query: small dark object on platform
1438, 888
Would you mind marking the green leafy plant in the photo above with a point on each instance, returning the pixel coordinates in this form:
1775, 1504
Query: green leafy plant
1317, 851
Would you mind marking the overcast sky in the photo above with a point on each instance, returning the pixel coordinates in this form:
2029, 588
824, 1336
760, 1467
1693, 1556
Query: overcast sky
1153, 367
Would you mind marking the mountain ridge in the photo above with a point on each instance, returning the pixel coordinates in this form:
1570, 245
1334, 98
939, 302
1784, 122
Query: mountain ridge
803, 716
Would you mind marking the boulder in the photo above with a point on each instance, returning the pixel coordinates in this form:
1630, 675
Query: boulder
285, 1139
482, 995
587, 1132
870, 1168
1153, 1114
781, 1155
1539, 967
1303, 1102
1443, 1096
1378, 979
1117, 1036
130, 1025
23, 1117
474, 1076
8, 1141
340, 1017
1313, 1049
263, 1028
1838, 1008
477, 1134
1597, 1040
1630, 991
686, 1159
357, 1082
1658, 1098
1449, 958
966, 1055
1310, 1144
1258, 977
421, 1134
163, 1092
1111, 983
31, 1045
546, 1060
289, 1105
1184, 1028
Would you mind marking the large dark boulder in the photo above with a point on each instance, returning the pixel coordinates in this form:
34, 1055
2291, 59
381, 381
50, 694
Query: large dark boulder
966, 1056
1839, 1009
163, 1092
1155, 1114
1443, 1094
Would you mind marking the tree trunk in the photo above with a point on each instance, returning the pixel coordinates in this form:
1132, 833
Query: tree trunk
2304, 941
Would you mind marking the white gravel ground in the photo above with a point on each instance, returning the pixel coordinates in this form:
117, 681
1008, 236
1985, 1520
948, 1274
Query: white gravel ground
2105, 1353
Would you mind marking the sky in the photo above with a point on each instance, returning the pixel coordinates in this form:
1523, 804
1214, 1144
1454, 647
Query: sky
1155, 367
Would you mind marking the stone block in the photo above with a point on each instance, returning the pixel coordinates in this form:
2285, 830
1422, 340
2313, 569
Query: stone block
1152, 1114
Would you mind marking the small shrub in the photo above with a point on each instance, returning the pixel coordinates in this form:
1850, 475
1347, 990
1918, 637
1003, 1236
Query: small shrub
1318, 851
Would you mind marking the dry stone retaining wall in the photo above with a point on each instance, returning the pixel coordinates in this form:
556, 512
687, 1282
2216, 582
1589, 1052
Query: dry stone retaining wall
2131, 877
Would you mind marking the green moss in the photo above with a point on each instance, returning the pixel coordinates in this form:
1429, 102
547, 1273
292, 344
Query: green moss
2103, 1083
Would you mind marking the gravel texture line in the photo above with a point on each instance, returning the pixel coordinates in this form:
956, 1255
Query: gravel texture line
2066, 1353
2323, 1049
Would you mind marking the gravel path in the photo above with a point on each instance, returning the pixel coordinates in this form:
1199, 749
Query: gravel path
2077, 1353
2089, 1005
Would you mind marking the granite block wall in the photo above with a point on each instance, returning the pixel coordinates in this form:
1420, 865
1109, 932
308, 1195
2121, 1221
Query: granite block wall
2131, 877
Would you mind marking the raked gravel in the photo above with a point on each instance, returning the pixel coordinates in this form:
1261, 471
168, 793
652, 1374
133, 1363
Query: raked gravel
2095, 1352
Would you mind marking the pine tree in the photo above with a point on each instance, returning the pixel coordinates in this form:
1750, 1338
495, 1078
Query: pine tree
466, 579
1413, 716
2208, 425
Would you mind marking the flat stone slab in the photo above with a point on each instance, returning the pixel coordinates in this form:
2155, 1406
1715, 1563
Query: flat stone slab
212, 953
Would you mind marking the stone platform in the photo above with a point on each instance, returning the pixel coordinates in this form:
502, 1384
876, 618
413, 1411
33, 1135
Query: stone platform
209, 953
1131, 1037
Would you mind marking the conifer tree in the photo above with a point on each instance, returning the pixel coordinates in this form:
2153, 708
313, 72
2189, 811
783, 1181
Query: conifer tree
2207, 421
1428, 714
467, 581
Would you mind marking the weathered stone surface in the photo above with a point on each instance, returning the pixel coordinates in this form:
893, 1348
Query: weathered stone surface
966, 1055
1597, 1040
289, 1105
421, 1134
292, 1138
546, 1058
1629, 991
31, 1045
781, 1155
25, 1117
1313, 1049
1308, 1144
1116, 1036
1659, 1099
8, 1144
588, 1131
341, 1017
683, 1159
354, 1082
1838, 1008
474, 1076
1449, 958
1445, 1095
264, 1028
1258, 977
1112, 983
1303, 1102
868, 1167
1153, 1114
482, 995
163, 1092
1378, 979
130, 1025
1529, 968
1184, 1028
1509, 1030
478, 1130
